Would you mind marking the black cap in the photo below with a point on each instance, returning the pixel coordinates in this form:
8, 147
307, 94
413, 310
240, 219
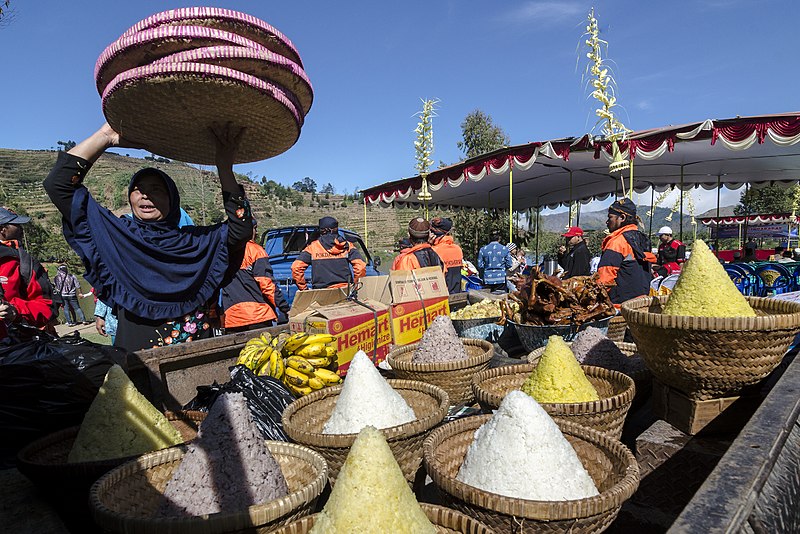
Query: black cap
623, 206
441, 225
328, 223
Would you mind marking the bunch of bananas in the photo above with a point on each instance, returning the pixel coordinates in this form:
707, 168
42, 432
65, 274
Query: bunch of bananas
303, 362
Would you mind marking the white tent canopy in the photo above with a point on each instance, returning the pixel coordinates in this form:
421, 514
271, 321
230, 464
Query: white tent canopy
708, 154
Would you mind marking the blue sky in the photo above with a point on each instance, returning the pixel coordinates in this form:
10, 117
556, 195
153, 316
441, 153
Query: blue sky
371, 62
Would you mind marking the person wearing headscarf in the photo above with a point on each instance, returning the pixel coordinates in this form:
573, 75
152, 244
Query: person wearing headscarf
420, 253
626, 259
158, 277
331, 258
441, 241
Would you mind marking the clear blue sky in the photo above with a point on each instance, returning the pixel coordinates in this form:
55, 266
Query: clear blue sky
370, 63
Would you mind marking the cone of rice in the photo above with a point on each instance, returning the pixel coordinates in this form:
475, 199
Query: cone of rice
558, 378
439, 343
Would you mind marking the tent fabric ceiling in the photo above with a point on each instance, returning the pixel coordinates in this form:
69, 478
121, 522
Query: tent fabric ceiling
731, 152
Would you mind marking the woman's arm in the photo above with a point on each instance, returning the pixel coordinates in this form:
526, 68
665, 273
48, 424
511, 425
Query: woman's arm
240, 221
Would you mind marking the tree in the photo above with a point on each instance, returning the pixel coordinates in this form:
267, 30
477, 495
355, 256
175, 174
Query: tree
327, 189
68, 145
770, 199
480, 135
306, 185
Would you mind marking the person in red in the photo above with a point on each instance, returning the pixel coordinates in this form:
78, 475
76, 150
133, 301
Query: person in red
671, 253
27, 295
624, 266
330, 258
451, 255
251, 298
420, 254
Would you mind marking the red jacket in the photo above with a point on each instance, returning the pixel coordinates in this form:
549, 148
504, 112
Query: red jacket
33, 298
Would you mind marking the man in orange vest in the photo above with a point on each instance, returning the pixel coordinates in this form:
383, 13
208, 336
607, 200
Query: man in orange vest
330, 258
420, 254
625, 262
451, 255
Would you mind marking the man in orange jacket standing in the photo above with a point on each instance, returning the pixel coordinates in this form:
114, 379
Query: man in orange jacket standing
420, 254
625, 262
330, 258
451, 255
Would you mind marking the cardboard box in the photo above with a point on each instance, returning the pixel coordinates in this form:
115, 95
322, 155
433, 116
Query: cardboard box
326, 311
415, 298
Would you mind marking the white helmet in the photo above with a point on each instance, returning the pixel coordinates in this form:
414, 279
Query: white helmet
665, 230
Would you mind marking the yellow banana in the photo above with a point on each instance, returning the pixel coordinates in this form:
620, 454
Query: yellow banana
299, 391
320, 361
295, 341
330, 352
319, 338
310, 351
295, 377
315, 383
300, 364
328, 378
256, 341
261, 359
266, 338
276, 367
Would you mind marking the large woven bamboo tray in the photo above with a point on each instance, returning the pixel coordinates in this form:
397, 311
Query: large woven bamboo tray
445, 520
304, 418
610, 464
712, 357
643, 378
127, 498
44, 461
607, 415
454, 377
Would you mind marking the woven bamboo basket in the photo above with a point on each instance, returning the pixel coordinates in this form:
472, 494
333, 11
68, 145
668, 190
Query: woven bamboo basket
607, 415
445, 520
44, 461
616, 329
127, 498
643, 379
610, 464
712, 357
454, 377
304, 418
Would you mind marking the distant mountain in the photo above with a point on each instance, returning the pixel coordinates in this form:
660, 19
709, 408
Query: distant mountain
596, 220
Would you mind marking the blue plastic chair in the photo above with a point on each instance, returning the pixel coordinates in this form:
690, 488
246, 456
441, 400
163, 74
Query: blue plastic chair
796, 279
756, 285
781, 284
472, 282
739, 277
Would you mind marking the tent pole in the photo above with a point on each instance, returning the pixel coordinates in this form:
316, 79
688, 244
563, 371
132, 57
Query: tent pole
681, 212
578, 215
652, 214
510, 199
366, 234
570, 198
537, 235
716, 241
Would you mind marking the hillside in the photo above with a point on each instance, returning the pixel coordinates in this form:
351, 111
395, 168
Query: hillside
596, 220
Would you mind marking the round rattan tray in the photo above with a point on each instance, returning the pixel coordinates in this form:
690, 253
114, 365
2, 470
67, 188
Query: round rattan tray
262, 64
454, 377
143, 48
304, 418
126, 499
445, 520
610, 464
712, 357
534, 336
169, 109
607, 415
236, 22
44, 461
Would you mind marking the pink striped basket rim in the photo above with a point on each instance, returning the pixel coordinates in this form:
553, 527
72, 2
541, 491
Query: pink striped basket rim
142, 48
171, 116
267, 35
263, 64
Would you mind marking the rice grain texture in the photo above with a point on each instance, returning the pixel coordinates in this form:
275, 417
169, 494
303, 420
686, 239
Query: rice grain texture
227, 468
371, 496
120, 422
439, 343
558, 377
704, 289
366, 399
520, 452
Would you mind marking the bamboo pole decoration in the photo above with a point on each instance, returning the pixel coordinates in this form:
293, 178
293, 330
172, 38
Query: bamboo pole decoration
511, 199
366, 233
605, 93
423, 148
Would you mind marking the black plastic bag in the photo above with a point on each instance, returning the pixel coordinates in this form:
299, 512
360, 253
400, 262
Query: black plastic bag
266, 397
47, 384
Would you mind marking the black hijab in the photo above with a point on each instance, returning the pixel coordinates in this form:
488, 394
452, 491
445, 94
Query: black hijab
153, 269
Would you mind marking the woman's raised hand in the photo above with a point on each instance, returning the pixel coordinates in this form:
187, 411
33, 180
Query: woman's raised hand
92, 147
227, 138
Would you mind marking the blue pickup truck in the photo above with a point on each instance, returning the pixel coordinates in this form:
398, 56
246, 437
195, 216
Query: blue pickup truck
284, 244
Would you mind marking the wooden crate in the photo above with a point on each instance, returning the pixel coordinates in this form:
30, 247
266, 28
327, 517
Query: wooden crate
692, 416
